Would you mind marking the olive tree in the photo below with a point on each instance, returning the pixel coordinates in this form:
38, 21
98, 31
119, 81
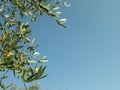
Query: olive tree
17, 51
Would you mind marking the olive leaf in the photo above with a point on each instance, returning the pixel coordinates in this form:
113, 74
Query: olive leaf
35, 76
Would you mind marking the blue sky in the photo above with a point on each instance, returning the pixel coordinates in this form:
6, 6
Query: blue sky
86, 55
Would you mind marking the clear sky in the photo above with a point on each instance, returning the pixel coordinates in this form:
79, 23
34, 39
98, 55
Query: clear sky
86, 55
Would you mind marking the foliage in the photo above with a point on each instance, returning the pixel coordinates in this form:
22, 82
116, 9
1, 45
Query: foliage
34, 86
17, 52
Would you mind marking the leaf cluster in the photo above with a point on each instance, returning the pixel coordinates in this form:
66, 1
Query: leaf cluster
17, 49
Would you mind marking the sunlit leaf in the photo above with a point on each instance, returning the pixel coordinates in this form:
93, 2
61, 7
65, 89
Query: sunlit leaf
60, 23
1, 8
43, 60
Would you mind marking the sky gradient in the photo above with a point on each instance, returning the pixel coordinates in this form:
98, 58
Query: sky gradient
86, 55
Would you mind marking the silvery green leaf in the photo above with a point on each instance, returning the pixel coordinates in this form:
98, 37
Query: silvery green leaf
61, 23
27, 24
20, 74
31, 61
11, 22
55, 8
22, 29
27, 39
58, 13
6, 16
28, 13
65, 4
36, 53
43, 61
44, 76
63, 20
40, 71
33, 41
36, 69
1, 8
44, 57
